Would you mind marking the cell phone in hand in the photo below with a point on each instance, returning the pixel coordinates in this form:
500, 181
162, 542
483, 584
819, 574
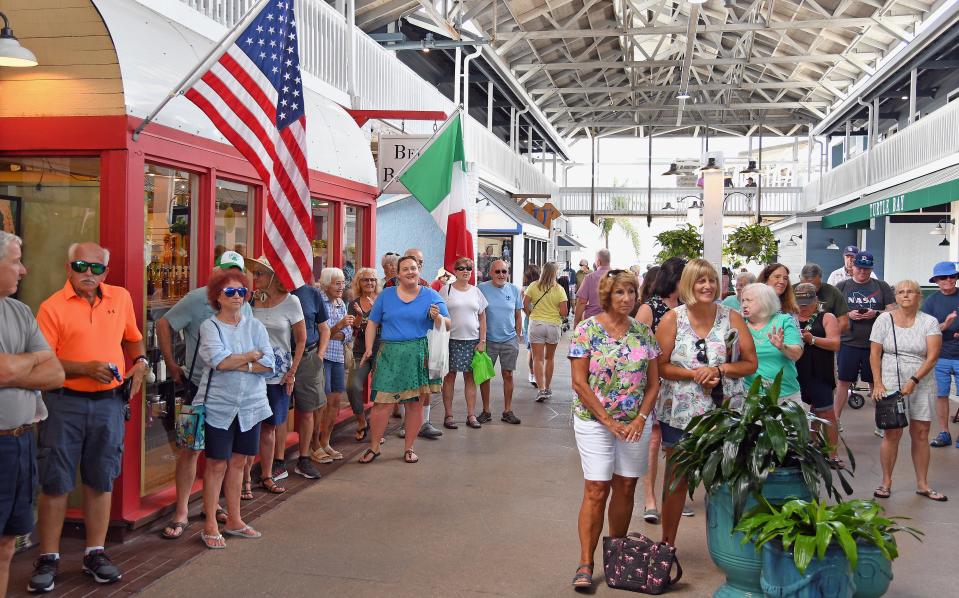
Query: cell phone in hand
862, 311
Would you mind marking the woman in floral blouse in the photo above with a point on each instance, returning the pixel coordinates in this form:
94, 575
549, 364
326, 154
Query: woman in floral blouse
706, 351
616, 379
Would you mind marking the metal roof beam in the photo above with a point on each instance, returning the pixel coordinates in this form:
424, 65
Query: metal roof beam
656, 108
766, 122
754, 61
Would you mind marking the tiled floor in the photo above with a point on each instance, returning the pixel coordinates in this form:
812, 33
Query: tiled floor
485, 512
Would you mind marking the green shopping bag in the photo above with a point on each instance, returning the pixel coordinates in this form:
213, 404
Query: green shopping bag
482, 367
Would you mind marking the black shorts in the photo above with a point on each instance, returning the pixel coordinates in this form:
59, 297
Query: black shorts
18, 478
221, 444
818, 394
853, 364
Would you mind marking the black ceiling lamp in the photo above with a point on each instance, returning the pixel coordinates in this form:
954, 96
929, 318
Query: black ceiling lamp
673, 170
750, 169
711, 166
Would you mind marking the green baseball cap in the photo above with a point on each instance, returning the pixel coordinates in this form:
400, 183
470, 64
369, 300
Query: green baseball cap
230, 259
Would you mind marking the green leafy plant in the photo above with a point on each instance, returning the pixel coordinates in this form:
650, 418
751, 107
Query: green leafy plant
740, 447
809, 527
624, 224
684, 241
180, 226
753, 243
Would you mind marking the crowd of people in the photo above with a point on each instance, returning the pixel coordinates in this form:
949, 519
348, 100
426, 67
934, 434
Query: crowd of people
698, 338
649, 351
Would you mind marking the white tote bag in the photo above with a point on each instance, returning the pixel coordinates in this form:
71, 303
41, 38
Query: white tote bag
439, 342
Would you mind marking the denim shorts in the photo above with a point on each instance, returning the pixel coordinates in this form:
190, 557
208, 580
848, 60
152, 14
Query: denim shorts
18, 477
946, 370
671, 436
279, 403
221, 444
335, 375
853, 363
817, 393
80, 432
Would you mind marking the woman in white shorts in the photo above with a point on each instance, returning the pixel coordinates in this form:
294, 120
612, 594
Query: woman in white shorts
546, 304
917, 342
616, 380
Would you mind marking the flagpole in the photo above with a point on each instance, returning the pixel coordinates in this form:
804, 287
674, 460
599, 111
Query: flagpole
413, 158
214, 55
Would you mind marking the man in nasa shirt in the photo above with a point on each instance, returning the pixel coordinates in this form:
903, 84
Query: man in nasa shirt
866, 298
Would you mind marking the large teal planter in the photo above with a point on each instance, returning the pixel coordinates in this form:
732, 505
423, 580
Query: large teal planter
828, 577
740, 562
873, 573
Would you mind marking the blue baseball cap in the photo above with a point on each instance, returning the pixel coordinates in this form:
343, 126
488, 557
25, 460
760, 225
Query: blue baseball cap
863, 260
850, 250
943, 269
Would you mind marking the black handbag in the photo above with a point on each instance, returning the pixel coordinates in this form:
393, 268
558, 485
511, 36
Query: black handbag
638, 564
891, 409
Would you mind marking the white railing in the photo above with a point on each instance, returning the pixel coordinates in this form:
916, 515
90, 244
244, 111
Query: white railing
932, 138
624, 201
383, 82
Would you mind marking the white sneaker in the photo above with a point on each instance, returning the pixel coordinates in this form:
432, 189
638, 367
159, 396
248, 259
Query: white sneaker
320, 456
532, 380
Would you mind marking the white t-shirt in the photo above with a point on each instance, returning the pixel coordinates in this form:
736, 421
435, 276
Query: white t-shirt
465, 308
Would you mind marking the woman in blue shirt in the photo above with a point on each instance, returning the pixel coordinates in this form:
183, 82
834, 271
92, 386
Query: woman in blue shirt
239, 358
403, 314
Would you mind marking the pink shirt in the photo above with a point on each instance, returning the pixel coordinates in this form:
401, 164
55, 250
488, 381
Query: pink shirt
589, 292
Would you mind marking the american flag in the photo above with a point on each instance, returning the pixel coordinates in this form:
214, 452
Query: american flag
254, 96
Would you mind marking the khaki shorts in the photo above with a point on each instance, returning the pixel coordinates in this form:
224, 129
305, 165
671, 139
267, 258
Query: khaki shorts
308, 392
507, 353
544, 332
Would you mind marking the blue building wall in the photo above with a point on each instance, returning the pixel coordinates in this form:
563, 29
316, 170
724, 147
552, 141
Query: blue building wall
405, 224
876, 245
816, 240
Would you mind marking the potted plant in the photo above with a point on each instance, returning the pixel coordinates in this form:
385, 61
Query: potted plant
811, 549
738, 452
753, 242
684, 241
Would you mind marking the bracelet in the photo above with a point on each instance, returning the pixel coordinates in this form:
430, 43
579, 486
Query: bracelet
642, 415
249, 366
812, 341
914, 379
141, 357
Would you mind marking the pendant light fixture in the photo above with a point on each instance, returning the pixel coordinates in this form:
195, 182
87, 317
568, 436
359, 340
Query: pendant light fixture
11, 52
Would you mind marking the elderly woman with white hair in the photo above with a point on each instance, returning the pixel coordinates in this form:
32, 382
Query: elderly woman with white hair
739, 283
389, 266
332, 283
776, 337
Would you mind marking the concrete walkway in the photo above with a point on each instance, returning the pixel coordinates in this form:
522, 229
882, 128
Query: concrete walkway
493, 512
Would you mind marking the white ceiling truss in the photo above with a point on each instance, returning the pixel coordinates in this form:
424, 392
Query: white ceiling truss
617, 66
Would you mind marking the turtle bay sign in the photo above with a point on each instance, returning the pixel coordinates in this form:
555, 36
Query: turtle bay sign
889, 205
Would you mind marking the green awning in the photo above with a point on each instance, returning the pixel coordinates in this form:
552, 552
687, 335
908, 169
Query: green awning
940, 187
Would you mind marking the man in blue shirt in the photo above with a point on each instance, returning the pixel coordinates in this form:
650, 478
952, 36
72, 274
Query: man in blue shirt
187, 315
943, 306
308, 395
504, 321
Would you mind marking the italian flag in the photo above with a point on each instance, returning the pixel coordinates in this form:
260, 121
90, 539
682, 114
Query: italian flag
437, 179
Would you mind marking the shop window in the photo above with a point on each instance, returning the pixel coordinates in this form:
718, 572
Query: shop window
51, 203
171, 198
234, 221
353, 238
492, 249
321, 237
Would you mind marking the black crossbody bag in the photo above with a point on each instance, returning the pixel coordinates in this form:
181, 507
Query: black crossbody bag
891, 409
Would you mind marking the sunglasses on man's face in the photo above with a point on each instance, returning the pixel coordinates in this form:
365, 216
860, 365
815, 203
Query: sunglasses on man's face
500, 271
949, 277
80, 266
231, 291
464, 268
701, 351
391, 253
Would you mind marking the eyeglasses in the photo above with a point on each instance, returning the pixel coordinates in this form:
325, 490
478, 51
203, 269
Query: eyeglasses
948, 277
701, 351
464, 268
231, 291
500, 271
367, 280
80, 266
391, 253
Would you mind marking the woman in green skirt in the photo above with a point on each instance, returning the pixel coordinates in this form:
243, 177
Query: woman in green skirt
403, 314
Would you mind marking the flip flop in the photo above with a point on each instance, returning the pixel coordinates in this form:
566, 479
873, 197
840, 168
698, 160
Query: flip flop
884, 492
244, 532
933, 495
211, 542
366, 459
221, 515
178, 528
360, 435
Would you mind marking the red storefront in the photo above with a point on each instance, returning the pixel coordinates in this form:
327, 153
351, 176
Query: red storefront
163, 205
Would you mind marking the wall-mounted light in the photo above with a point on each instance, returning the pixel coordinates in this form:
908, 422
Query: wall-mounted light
673, 170
711, 166
945, 242
792, 241
940, 228
832, 245
11, 52
750, 169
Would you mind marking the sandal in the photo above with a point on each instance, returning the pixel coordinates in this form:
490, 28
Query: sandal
837, 463
410, 457
366, 458
174, 530
217, 542
221, 516
933, 495
244, 532
883, 492
247, 492
361, 433
449, 423
583, 577
270, 485
472, 422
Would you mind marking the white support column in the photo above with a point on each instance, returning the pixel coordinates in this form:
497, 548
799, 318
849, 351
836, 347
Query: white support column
554, 167
457, 83
913, 77
512, 128
489, 105
713, 218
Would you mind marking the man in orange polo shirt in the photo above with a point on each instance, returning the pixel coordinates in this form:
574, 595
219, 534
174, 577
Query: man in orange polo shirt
92, 329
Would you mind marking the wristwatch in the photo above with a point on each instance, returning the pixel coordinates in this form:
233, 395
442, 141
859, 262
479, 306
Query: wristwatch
914, 379
249, 366
812, 341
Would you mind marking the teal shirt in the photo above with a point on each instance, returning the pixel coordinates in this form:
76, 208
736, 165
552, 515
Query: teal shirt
771, 359
732, 302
